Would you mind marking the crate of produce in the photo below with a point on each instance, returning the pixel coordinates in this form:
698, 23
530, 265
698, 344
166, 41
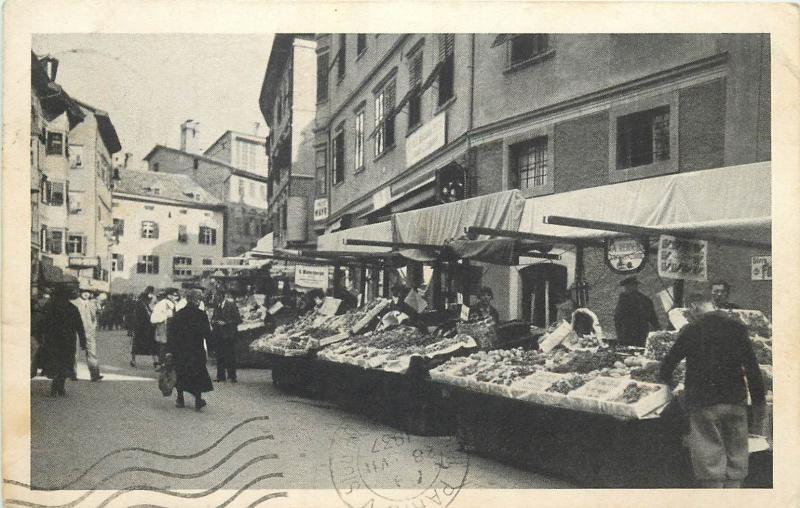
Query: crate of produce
659, 343
637, 399
483, 332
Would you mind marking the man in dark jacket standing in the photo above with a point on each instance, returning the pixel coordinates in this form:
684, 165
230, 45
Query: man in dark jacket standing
226, 320
60, 325
189, 328
635, 315
718, 357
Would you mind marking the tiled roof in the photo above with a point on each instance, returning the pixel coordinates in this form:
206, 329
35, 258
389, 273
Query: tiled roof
164, 186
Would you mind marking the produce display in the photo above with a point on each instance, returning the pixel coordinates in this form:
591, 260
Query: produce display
576, 341
659, 343
756, 322
599, 381
483, 331
304, 334
392, 349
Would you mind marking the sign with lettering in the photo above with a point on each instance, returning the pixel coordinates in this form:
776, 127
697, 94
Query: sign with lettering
311, 276
426, 139
680, 258
625, 254
321, 209
83, 262
761, 268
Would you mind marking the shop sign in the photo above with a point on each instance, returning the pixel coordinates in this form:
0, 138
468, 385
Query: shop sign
761, 268
426, 139
83, 262
309, 276
680, 258
625, 254
320, 209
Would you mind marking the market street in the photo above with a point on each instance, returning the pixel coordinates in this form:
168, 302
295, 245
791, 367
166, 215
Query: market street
126, 409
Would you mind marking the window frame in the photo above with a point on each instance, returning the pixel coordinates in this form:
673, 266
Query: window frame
510, 144
341, 64
119, 226
153, 230
50, 193
82, 241
361, 45
179, 269
321, 170
183, 233
49, 243
207, 235
384, 103
117, 262
148, 264
512, 65
656, 168
48, 148
323, 77
415, 99
446, 71
338, 157
359, 137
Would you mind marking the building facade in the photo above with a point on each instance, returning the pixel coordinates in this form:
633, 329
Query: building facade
246, 152
288, 104
167, 227
407, 121
243, 191
92, 145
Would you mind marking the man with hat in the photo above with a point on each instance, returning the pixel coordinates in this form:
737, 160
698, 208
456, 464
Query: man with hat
87, 308
635, 314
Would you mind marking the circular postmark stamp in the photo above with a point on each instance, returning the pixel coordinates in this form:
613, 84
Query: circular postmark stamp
393, 469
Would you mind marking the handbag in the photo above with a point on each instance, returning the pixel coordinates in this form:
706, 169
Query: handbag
167, 377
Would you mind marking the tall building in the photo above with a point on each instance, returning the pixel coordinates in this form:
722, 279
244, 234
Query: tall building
92, 145
167, 228
288, 103
407, 121
232, 170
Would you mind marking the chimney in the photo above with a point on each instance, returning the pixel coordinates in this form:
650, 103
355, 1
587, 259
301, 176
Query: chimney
189, 136
50, 66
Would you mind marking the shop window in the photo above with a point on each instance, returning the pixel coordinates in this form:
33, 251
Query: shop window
181, 266
147, 264
207, 235
149, 229
446, 71
322, 77
320, 157
341, 64
643, 138
183, 234
530, 163
361, 44
525, 47
117, 262
337, 162
76, 244
55, 143
384, 118
414, 84
358, 134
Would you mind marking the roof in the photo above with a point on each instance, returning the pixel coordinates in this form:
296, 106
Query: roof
53, 97
171, 187
239, 134
279, 53
107, 131
234, 170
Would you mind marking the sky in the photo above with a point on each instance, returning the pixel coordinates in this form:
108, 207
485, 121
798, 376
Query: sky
151, 83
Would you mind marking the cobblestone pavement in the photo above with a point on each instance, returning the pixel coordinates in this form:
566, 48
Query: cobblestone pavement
121, 432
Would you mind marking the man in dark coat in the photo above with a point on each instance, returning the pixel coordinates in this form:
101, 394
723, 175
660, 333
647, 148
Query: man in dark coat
189, 328
60, 324
635, 314
144, 342
226, 319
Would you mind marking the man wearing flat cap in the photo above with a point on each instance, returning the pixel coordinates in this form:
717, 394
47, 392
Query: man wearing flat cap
635, 314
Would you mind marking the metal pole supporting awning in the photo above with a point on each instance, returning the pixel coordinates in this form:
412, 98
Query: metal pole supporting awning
438, 248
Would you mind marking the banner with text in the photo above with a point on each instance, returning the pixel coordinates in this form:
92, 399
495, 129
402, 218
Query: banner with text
680, 258
309, 276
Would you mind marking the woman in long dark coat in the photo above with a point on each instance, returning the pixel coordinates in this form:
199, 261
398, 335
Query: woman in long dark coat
60, 325
144, 341
189, 328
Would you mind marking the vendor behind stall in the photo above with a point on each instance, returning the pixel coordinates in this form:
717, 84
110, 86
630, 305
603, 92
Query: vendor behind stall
484, 309
720, 292
635, 314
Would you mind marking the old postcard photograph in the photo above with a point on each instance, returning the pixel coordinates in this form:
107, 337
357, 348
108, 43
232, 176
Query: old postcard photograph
267, 259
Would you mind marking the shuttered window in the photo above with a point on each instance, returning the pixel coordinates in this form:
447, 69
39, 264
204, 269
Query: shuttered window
447, 61
414, 84
384, 118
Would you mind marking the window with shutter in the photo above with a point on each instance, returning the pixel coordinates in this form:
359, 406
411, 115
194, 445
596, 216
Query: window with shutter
358, 135
338, 158
117, 262
149, 229
384, 118
119, 227
342, 57
183, 234
322, 77
361, 44
414, 84
447, 61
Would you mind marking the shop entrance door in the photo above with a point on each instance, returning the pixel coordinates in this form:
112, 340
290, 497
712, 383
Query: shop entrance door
543, 285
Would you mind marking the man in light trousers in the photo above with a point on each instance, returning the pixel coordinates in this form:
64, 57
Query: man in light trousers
88, 311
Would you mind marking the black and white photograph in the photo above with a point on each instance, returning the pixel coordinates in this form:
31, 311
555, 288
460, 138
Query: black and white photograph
399, 269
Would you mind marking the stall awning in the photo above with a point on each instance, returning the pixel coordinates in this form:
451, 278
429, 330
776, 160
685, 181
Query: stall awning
439, 225
733, 202
408, 200
263, 247
381, 231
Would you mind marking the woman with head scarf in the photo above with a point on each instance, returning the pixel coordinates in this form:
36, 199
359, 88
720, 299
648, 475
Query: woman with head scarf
189, 328
144, 342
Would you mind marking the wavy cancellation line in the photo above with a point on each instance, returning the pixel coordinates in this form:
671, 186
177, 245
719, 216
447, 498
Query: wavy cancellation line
168, 492
195, 455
